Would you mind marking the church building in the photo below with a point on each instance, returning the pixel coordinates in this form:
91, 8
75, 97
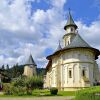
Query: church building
30, 67
74, 65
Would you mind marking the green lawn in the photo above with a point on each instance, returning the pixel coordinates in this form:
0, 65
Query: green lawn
44, 93
83, 94
47, 93
66, 93
91, 93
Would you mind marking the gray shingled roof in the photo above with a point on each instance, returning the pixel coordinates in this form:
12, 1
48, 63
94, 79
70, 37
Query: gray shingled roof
59, 47
30, 61
78, 42
70, 21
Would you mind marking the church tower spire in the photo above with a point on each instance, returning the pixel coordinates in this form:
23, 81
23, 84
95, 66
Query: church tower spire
70, 29
70, 26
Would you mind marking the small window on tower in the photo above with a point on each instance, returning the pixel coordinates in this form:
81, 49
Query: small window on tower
83, 72
70, 73
71, 29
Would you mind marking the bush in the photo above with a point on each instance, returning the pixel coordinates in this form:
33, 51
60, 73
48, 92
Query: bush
54, 91
18, 90
34, 82
20, 81
7, 88
92, 93
23, 85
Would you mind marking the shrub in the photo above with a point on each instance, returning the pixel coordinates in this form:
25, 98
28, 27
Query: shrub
29, 91
34, 82
20, 81
18, 90
7, 88
54, 91
23, 85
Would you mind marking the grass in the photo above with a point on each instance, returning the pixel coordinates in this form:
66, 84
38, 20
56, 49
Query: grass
38, 92
67, 93
41, 92
47, 93
92, 93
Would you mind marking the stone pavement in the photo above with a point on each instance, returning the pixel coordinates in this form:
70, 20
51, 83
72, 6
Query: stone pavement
38, 98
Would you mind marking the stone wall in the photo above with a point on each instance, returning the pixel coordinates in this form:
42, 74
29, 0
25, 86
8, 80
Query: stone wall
29, 71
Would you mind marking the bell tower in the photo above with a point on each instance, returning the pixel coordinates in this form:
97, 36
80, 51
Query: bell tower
71, 30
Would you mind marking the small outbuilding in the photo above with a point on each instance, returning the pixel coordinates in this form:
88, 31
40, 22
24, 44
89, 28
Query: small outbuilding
30, 67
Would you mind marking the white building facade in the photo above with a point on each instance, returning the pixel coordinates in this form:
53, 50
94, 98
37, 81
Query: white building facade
73, 66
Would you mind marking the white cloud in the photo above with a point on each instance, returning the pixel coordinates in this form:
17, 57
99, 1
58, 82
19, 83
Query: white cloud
22, 34
90, 33
59, 4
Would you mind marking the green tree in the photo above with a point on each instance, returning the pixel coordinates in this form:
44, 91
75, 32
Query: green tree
7, 67
3, 67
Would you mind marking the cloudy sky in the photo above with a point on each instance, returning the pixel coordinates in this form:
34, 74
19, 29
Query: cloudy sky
36, 26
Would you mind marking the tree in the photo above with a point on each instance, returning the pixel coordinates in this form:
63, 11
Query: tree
16, 70
3, 67
7, 67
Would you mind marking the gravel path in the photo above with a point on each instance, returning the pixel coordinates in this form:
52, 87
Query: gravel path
39, 98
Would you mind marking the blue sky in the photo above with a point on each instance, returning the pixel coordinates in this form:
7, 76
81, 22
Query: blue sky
36, 26
86, 10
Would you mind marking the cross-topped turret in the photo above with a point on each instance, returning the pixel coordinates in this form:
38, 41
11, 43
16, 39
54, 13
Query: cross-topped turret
70, 26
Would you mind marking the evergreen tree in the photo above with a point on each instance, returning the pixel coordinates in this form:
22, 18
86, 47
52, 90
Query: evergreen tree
3, 67
7, 67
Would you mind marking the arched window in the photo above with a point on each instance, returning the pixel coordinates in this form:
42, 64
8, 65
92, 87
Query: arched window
71, 29
70, 73
83, 72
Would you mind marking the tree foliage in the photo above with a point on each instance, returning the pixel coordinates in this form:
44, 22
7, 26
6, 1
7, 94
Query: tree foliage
9, 73
23, 85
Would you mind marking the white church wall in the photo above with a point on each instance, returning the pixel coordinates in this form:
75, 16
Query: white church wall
53, 79
74, 80
96, 72
48, 79
83, 59
91, 66
74, 61
76, 75
79, 55
70, 75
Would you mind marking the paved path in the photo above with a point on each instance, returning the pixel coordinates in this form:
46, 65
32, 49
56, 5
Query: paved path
39, 98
